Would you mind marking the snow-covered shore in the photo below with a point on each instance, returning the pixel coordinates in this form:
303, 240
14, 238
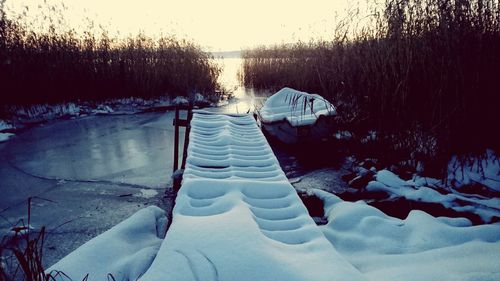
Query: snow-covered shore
420, 247
367, 242
471, 187
18, 117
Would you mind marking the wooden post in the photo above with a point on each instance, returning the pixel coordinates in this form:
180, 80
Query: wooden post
186, 136
177, 174
176, 139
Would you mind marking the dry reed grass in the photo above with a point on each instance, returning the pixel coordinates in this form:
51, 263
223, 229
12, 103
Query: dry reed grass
424, 75
57, 65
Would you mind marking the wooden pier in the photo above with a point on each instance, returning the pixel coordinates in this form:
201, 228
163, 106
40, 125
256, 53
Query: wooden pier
236, 215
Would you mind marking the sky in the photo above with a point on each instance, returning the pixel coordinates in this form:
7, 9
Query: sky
216, 25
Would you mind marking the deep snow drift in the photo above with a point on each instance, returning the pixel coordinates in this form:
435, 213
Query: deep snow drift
207, 244
418, 190
421, 247
125, 251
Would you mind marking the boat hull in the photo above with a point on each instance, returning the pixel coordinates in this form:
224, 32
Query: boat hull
289, 134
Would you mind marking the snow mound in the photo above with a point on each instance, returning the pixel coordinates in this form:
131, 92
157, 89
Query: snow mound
421, 247
5, 136
296, 107
4, 125
386, 181
237, 217
103, 109
126, 251
180, 100
147, 193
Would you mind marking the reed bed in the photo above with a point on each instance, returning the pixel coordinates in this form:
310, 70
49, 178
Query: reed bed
423, 75
59, 65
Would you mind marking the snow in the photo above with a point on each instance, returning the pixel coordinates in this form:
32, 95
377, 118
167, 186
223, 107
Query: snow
485, 171
199, 98
421, 247
18, 230
390, 179
5, 136
371, 136
131, 105
288, 104
180, 100
4, 125
147, 193
102, 109
343, 135
237, 217
47, 112
386, 181
125, 251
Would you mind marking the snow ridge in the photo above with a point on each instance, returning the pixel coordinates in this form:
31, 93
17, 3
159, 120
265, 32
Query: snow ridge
125, 251
420, 247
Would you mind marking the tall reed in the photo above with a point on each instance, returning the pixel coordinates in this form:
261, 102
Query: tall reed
57, 64
424, 75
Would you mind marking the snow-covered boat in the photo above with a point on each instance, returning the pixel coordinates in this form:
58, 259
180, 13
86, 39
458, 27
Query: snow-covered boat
293, 116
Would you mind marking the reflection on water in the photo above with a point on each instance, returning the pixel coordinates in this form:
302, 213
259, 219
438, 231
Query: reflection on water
244, 99
231, 69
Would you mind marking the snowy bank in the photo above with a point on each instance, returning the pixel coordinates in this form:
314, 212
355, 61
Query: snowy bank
5, 136
415, 190
126, 251
4, 126
470, 189
420, 247
45, 112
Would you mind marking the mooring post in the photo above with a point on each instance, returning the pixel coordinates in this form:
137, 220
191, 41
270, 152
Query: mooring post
176, 139
177, 173
186, 135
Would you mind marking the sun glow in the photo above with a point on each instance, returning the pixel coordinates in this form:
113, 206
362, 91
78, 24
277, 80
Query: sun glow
217, 25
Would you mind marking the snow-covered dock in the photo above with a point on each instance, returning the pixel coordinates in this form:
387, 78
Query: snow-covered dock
236, 215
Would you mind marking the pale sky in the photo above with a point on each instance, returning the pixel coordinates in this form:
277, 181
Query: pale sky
217, 25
